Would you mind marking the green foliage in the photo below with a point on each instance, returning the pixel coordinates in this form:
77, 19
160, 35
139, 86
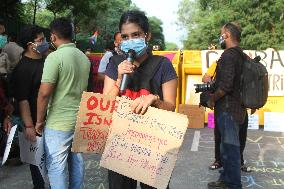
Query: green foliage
11, 9
171, 46
261, 22
157, 36
88, 16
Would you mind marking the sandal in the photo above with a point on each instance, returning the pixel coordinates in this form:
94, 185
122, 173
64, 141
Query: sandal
246, 169
215, 165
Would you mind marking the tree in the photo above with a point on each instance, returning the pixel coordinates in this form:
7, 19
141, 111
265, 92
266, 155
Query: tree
261, 22
157, 36
11, 9
171, 46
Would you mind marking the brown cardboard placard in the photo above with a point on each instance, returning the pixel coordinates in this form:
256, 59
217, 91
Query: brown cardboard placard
194, 113
93, 122
144, 147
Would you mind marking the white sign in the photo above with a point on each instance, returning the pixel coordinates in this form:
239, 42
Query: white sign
273, 61
253, 121
9, 144
28, 149
273, 121
33, 153
40, 161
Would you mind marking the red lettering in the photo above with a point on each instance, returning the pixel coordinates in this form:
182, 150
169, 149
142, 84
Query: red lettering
106, 122
99, 120
82, 130
101, 105
90, 119
114, 106
92, 103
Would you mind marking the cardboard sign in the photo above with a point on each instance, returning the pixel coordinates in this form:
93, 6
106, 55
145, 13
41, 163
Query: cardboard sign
93, 122
9, 143
192, 98
253, 121
144, 147
273, 121
195, 115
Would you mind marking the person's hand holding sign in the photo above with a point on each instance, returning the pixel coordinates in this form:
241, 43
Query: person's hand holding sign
140, 105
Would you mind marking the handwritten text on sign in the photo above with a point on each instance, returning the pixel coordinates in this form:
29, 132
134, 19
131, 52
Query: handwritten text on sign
93, 121
144, 147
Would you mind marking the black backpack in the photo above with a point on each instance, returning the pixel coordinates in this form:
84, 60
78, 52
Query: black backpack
254, 83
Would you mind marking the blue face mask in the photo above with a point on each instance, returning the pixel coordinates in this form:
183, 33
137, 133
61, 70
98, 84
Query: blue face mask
41, 48
3, 41
138, 45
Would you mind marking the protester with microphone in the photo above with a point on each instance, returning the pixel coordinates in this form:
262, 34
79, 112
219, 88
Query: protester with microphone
146, 79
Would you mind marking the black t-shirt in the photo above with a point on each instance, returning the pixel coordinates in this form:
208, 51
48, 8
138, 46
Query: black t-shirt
147, 78
26, 81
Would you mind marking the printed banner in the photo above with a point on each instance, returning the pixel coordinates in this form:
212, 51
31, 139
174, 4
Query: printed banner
273, 121
253, 121
93, 121
144, 147
9, 143
273, 61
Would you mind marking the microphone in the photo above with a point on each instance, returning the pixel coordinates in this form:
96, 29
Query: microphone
130, 56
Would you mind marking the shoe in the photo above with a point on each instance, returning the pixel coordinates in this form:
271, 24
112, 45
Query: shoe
217, 185
215, 165
246, 169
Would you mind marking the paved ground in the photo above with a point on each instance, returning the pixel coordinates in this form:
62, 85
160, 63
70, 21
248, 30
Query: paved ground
264, 153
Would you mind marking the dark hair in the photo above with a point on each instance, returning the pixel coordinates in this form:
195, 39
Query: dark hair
136, 17
29, 34
63, 28
115, 34
12, 37
234, 30
110, 45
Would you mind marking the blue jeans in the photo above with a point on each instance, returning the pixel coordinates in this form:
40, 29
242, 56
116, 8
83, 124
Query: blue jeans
57, 146
230, 150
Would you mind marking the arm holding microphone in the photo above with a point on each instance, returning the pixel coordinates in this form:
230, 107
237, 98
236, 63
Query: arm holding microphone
114, 87
140, 105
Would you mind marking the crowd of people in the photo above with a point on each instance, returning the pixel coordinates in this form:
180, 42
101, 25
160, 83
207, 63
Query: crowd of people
41, 91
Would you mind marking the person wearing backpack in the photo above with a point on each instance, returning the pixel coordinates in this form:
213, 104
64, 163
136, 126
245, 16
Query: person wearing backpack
228, 108
208, 77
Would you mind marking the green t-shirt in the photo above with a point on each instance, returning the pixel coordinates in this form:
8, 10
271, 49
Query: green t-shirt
68, 68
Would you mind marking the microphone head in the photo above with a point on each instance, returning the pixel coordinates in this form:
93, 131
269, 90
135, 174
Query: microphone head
131, 54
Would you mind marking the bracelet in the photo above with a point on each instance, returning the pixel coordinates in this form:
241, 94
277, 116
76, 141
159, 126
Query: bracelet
157, 97
156, 102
